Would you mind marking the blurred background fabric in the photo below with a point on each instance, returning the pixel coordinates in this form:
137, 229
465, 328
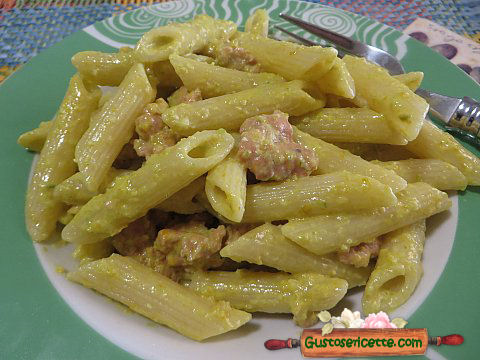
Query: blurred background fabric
28, 27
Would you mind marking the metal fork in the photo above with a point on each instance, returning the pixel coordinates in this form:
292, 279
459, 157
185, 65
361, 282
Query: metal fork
461, 116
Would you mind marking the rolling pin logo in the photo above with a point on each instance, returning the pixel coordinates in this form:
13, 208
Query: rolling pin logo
363, 342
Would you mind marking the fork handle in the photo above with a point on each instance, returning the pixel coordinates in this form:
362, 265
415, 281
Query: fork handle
466, 119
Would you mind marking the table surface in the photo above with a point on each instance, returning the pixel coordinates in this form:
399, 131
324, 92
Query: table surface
29, 26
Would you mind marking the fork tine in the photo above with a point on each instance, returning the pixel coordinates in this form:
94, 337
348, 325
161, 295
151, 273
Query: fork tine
295, 36
337, 39
357, 48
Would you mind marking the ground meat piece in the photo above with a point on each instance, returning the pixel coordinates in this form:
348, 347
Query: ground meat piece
360, 255
268, 150
154, 135
183, 96
155, 260
190, 243
237, 58
135, 237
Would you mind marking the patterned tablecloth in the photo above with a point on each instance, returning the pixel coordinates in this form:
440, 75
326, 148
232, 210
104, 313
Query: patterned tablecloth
27, 27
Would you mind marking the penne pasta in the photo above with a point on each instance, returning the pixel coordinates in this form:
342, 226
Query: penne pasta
412, 79
159, 298
73, 191
433, 143
326, 233
56, 160
403, 109
266, 245
183, 201
299, 294
182, 38
398, 269
334, 159
230, 111
314, 195
161, 176
112, 127
257, 23
226, 187
214, 80
289, 60
437, 173
34, 140
103, 68
337, 81
86, 253
359, 125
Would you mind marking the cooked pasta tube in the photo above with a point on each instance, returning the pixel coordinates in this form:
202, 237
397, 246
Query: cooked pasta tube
34, 140
86, 253
357, 125
162, 175
332, 159
439, 174
113, 127
403, 109
181, 38
412, 79
433, 143
158, 298
398, 269
183, 202
299, 294
230, 111
314, 195
337, 81
257, 23
289, 60
226, 186
56, 160
214, 80
266, 245
73, 191
326, 233
103, 68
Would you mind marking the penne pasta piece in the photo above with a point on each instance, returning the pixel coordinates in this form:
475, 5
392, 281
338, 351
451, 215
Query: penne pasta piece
214, 80
398, 269
357, 125
299, 294
337, 81
437, 173
103, 68
166, 75
161, 176
287, 59
113, 127
314, 195
226, 187
403, 109
266, 245
326, 233
412, 79
230, 111
433, 143
56, 160
86, 253
73, 191
257, 23
182, 38
334, 159
34, 140
158, 298
183, 202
